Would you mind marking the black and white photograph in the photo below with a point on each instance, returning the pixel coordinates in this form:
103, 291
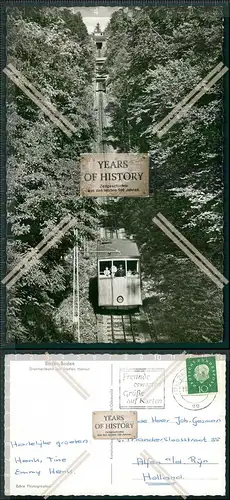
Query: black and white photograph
132, 252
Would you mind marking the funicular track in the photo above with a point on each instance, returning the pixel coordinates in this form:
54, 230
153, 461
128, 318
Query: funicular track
124, 327
114, 326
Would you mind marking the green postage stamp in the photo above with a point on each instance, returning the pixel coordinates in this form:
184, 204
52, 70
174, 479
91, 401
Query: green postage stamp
201, 375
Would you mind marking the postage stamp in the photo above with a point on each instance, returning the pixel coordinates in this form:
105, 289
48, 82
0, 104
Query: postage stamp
133, 382
114, 424
195, 401
201, 375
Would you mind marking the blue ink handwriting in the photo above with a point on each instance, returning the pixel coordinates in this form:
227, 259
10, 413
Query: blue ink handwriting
35, 460
159, 477
179, 421
169, 439
175, 461
42, 443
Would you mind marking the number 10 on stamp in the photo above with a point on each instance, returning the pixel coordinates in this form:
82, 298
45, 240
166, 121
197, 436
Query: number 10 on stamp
201, 375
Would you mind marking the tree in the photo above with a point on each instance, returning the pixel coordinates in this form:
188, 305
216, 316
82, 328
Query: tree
155, 57
52, 49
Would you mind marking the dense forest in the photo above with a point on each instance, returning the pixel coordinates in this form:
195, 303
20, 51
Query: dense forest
155, 56
51, 47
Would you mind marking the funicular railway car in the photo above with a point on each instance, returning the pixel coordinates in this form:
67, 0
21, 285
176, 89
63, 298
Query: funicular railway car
119, 283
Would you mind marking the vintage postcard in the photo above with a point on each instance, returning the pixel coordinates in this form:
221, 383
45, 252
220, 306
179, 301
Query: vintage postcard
115, 425
116, 174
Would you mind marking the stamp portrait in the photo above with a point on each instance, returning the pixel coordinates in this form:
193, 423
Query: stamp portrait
201, 375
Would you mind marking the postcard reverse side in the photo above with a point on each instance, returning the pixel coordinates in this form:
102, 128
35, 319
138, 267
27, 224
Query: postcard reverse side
115, 425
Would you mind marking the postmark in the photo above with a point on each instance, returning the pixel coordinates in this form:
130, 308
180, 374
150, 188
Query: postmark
186, 400
201, 375
133, 383
114, 424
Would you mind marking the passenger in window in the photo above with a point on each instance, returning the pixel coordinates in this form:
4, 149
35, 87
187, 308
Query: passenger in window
113, 270
120, 272
107, 271
135, 272
129, 272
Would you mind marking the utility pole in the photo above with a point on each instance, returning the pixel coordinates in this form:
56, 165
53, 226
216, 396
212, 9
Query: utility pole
76, 297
